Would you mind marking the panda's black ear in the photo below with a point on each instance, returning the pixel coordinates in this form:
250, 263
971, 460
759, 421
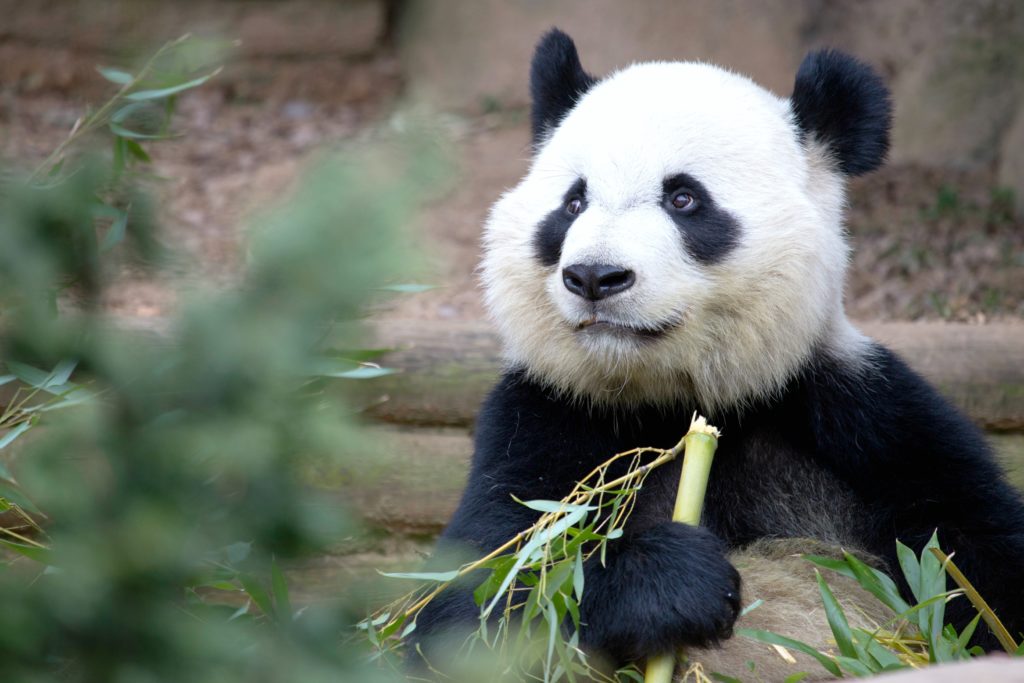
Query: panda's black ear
557, 80
844, 104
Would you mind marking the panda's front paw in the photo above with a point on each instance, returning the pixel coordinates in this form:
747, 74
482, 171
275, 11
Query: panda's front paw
666, 587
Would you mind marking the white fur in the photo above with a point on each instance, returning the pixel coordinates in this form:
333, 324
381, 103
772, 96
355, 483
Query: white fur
740, 327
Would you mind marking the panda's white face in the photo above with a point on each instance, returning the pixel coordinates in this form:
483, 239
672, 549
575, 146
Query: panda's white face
673, 240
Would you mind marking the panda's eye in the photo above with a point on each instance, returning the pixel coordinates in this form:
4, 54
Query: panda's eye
574, 206
684, 201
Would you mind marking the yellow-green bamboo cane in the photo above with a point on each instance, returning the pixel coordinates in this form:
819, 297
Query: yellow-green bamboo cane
700, 443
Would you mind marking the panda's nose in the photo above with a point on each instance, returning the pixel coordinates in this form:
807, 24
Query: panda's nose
598, 281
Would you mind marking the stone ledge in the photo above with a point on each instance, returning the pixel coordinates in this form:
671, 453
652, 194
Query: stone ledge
447, 368
349, 28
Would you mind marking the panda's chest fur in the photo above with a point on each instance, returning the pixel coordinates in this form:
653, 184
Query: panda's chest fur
762, 486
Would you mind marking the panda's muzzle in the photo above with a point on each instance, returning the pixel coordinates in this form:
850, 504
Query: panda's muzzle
594, 282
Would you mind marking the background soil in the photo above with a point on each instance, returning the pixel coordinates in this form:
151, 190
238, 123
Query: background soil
932, 239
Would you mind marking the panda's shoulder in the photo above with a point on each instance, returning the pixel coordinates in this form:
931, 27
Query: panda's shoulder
877, 407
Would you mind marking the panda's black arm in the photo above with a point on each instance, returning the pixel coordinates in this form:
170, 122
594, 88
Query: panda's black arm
510, 457
924, 467
663, 585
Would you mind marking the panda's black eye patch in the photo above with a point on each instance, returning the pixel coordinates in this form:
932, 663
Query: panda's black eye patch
552, 230
709, 231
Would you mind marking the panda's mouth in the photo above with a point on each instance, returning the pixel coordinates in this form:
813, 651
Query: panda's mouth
598, 325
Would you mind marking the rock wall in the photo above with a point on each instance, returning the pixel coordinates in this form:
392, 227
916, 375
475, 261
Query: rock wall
318, 49
956, 68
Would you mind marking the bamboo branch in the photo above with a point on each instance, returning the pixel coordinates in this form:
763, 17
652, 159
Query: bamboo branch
1000, 631
590, 488
86, 124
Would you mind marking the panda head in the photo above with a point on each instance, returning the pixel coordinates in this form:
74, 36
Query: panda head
679, 234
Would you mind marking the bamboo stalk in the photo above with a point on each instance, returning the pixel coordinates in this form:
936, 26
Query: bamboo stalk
699, 443
1000, 631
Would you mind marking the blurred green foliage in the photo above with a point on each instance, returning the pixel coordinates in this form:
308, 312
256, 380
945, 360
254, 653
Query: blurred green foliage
142, 523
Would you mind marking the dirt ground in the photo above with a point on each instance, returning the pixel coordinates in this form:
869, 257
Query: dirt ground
928, 243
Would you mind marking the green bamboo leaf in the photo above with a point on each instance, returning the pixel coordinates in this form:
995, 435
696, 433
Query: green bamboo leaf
554, 630
240, 612
122, 132
911, 569
553, 505
877, 583
115, 75
357, 356
13, 495
392, 628
6, 441
526, 553
933, 582
279, 586
61, 372
885, 658
117, 164
836, 618
854, 666
439, 577
237, 552
161, 93
41, 555
751, 607
831, 563
500, 567
138, 152
116, 232
965, 635
363, 372
574, 611
795, 678
122, 114
72, 397
218, 585
258, 594
559, 578
774, 639
54, 382
531, 608
577, 577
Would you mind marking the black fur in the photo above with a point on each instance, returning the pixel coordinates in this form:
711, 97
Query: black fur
557, 80
844, 104
547, 241
854, 456
710, 232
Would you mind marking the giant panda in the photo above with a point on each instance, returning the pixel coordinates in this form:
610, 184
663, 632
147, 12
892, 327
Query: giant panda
677, 245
